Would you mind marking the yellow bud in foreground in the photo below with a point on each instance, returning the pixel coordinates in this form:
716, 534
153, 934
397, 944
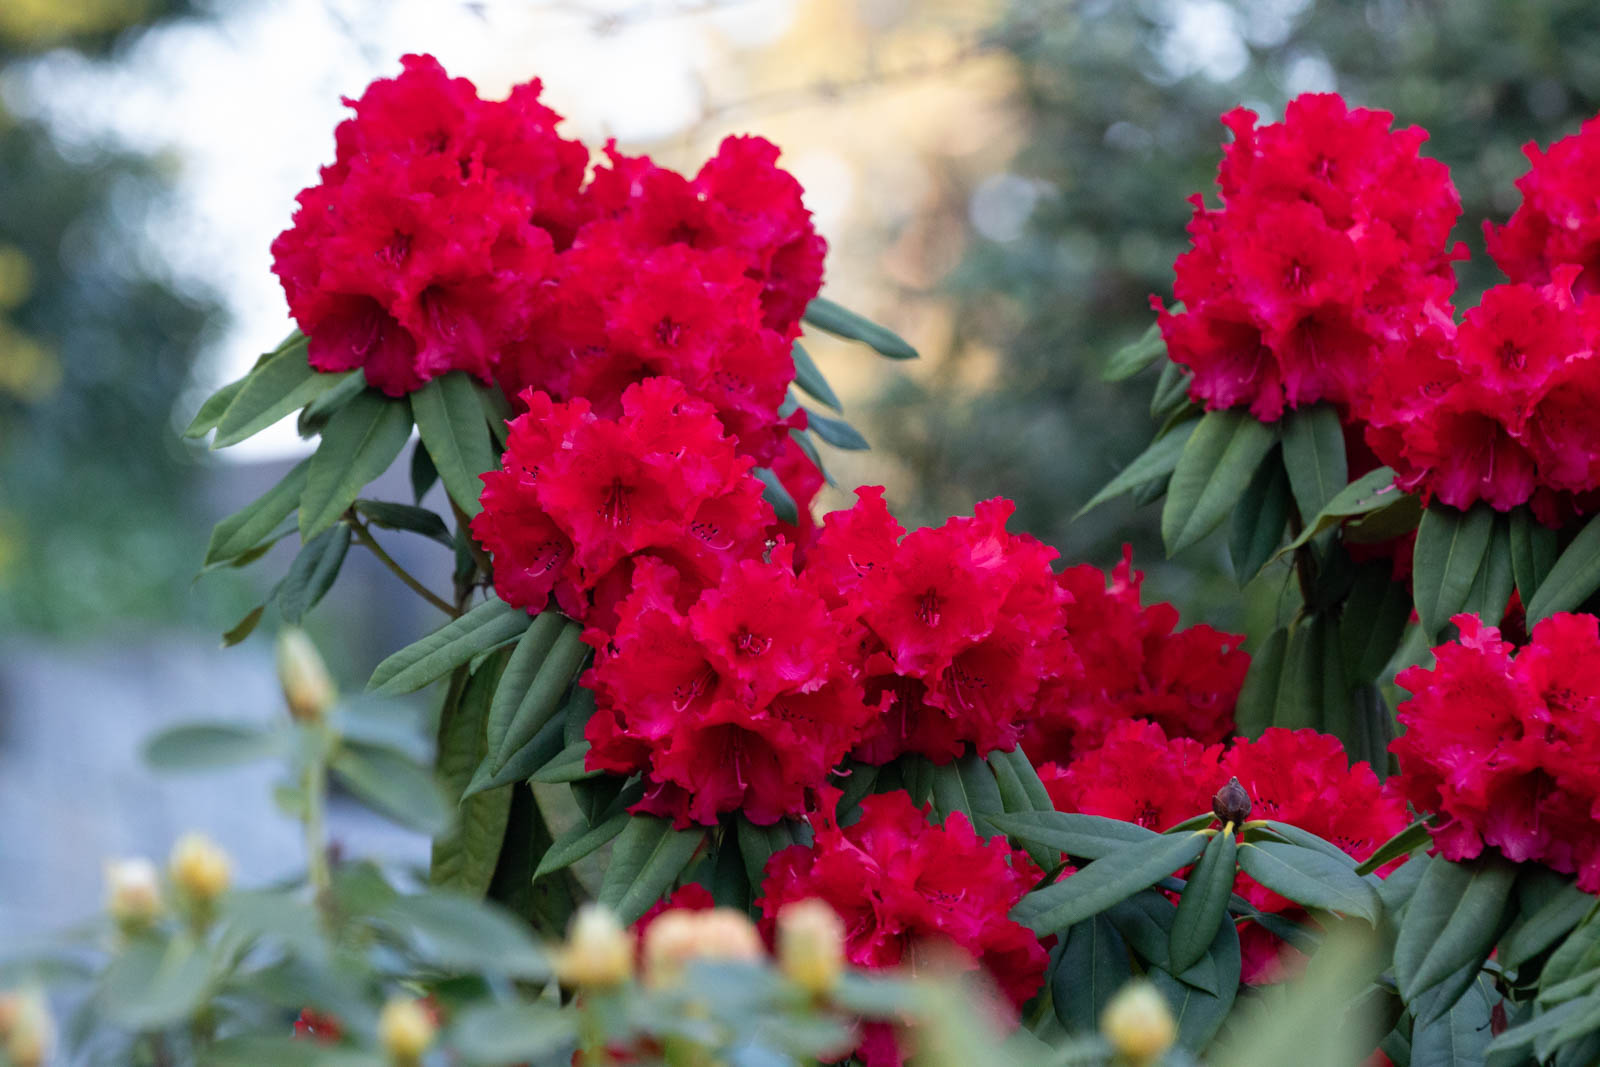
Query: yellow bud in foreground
1138, 1023
811, 945
133, 891
307, 685
199, 868
676, 937
405, 1029
598, 952
27, 1033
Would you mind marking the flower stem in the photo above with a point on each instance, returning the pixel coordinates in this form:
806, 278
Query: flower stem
316, 798
365, 537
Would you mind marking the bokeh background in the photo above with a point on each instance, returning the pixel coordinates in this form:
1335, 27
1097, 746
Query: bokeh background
1003, 183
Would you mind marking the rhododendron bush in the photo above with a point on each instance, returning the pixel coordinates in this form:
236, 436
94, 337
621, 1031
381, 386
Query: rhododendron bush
721, 778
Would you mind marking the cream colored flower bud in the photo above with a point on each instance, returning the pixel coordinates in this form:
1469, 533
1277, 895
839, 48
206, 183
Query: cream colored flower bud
676, 937
405, 1030
133, 891
307, 685
811, 945
199, 868
1138, 1023
27, 1032
598, 953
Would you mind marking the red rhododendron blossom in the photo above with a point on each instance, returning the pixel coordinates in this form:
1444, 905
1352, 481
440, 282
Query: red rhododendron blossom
1498, 409
1136, 665
420, 250
960, 625
1330, 242
744, 701
1300, 777
1559, 220
1504, 746
580, 499
324, 1029
901, 884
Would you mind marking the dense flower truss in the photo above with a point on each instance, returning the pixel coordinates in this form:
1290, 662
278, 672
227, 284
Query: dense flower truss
1330, 242
1300, 777
1505, 748
743, 702
902, 885
581, 499
1559, 220
454, 233
421, 247
1499, 408
1136, 665
959, 625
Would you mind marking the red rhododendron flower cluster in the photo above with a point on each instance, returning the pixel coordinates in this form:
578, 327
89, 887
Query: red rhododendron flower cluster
1300, 777
959, 625
1136, 665
454, 233
580, 499
1331, 240
744, 701
901, 884
1506, 748
1499, 409
1559, 220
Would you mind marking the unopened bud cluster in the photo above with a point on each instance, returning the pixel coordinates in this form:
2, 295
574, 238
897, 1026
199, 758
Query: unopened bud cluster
811, 945
27, 1032
1139, 1024
598, 953
133, 892
307, 686
678, 936
406, 1028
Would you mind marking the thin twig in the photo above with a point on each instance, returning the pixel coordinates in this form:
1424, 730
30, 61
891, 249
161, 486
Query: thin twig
365, 537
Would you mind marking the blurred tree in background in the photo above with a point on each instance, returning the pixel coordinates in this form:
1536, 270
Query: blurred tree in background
96, 520
1122, 100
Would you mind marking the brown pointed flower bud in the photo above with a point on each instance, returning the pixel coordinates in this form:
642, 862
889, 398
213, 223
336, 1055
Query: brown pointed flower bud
1232, 803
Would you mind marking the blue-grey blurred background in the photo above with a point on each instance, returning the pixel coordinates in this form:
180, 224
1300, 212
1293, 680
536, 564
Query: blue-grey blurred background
1003, 183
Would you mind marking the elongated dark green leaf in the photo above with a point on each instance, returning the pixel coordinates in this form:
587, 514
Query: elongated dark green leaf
1259, 520
313, 573
423, 473
1199, 1011
244, 627
646, 859
1457, 1038
1450, 549
490, 624
758, 843
1084, 836
1018, 760
1105, 881
1132, 358
1304, 685
967, 786
1523, 1035
314, 416
836, 432
1204, 903
361, 440
825, 315
394, 786
256, 521
451, 421
1372, 492
1171, 393
283, 384
808, 376
531, 649
545, 693
1313, 454
1573, 577
1157, 461
459, 933
1451, 922
773, 491
1365, 725
392, 516
579, 842
568, 765
1379, 609
512, 1033
1015, 797
1533, 551
1217, 463
809, 447
1310, 878
465, 855
210, 413
1547, 925
1258, 697
150, 984
1092, 966
524, 761
1491, 589
207, 745
1403, 843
